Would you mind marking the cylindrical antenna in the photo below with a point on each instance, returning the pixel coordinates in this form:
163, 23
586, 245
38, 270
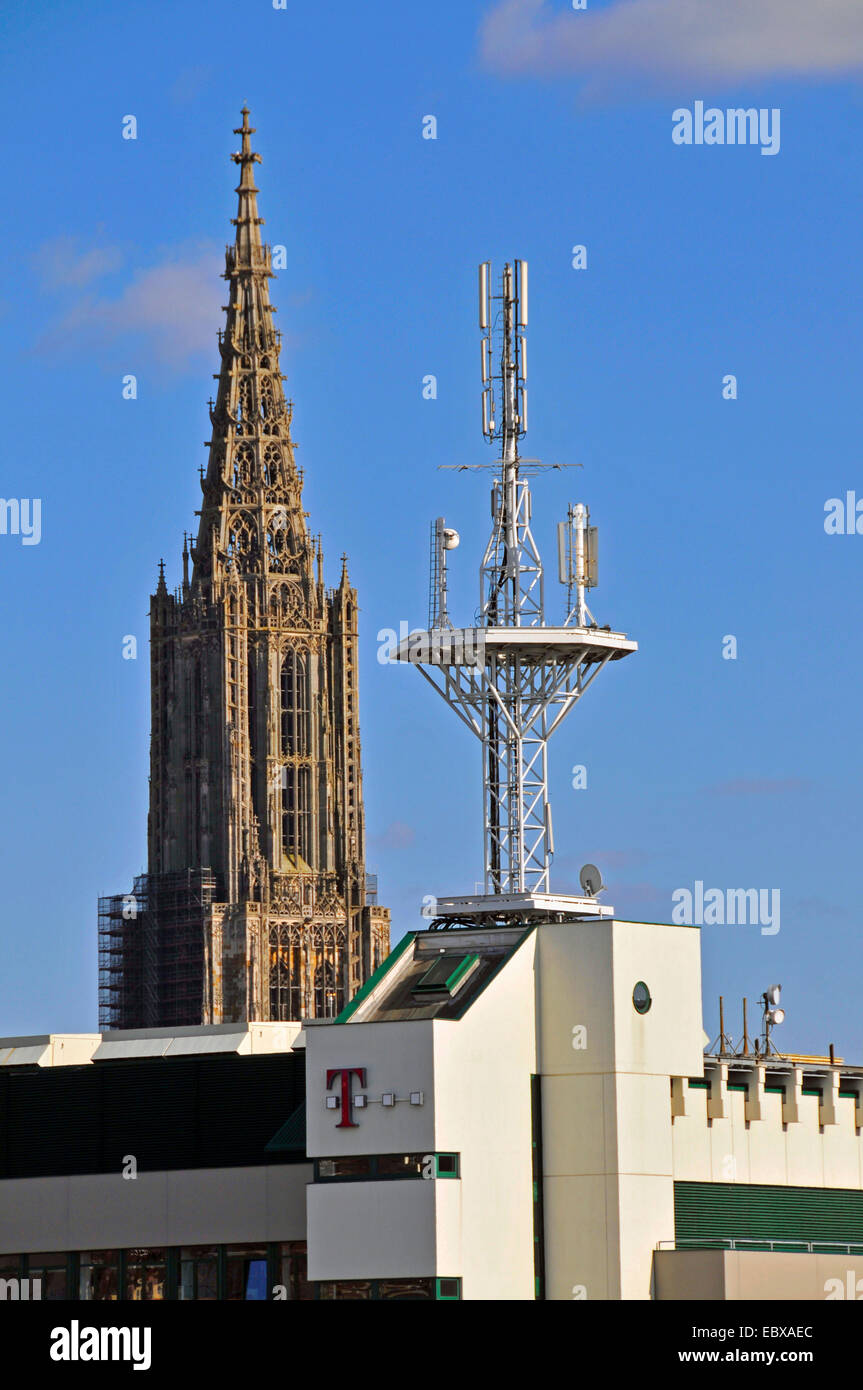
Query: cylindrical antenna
579, 513
521, 267
745, 1032
721, 1027
483, 295
563, 553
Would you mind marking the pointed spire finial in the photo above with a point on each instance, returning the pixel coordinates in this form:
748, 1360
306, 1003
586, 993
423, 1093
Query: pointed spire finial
161, 587
248, 249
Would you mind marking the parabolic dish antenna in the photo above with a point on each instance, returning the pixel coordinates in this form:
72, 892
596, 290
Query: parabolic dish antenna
591, 881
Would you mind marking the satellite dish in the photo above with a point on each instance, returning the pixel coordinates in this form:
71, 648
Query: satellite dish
773, 994
591, 881
450, 538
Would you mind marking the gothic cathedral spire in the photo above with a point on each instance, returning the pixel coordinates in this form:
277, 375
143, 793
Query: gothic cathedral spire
255, 903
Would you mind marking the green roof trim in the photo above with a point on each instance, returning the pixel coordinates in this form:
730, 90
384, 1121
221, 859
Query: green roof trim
292, 1135
373, 980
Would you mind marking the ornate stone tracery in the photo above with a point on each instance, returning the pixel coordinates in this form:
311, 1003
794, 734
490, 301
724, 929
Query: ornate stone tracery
256, 900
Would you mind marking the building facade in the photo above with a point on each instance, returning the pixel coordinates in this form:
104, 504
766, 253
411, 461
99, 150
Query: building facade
255, 904
509, 1113
139, 1166
550, 1084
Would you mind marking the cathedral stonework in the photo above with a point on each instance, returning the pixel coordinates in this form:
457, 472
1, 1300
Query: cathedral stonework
256, 904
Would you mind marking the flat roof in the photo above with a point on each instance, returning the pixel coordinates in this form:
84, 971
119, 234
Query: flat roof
75, 1049
440, 646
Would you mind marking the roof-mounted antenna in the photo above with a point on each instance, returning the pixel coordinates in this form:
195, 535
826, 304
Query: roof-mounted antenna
443, 538
577, 563
511, 677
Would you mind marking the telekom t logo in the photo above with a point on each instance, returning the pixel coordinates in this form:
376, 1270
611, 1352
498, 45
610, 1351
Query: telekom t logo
346, 1073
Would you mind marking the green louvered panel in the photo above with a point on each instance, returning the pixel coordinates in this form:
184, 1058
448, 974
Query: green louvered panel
709, 1213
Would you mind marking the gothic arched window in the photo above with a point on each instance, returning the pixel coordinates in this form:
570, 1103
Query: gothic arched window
243, 466
296, 813
272, 465
240, 539
280, 542
268, 402
326, 994
286, 602
295, 704
244, 406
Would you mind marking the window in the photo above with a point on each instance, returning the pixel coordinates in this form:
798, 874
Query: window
641, 999
245, 1274
293, 1262
295, 704
405, 1290
99, 1276
448, 1289
343, 1168
296, 816
51, 1271
347, 1289
145, 1275
399, 1166
391, 1289
446, 975
380, 1167
199, 1273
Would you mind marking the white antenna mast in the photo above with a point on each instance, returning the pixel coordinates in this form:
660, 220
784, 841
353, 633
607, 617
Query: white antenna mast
443, 538
512, 678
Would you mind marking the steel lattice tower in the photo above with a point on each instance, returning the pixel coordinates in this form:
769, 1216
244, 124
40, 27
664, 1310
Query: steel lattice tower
512, 678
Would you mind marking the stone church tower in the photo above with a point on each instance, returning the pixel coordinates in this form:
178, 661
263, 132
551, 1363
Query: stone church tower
256, 904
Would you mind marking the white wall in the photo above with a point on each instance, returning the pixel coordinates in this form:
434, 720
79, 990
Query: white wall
483, 1066
804, 1146
475, 1074
606, 1097
398, 1057
187, 1207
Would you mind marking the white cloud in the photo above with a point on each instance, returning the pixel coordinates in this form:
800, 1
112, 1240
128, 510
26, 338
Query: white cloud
169, 312
662, 40
63, 262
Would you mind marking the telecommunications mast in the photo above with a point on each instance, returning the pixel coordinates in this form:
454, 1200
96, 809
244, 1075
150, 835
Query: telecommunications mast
512, 678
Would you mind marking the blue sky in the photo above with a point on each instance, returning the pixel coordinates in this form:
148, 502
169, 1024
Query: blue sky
702, 261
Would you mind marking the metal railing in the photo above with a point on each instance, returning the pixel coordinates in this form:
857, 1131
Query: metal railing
802, 1247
